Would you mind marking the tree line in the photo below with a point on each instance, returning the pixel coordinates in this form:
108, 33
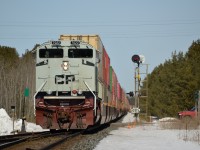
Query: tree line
16, 73
172, 84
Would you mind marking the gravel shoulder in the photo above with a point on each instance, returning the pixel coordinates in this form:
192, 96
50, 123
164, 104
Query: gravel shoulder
89, 141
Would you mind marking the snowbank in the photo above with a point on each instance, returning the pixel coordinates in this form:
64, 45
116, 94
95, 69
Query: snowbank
6, 124
167, 119
130, 118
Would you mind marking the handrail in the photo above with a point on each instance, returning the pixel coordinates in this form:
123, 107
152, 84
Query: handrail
95, 98
37, 93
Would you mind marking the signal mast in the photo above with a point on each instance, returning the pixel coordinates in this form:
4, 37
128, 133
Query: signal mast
138, 59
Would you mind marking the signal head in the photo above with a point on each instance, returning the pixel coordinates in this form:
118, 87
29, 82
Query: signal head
136, 59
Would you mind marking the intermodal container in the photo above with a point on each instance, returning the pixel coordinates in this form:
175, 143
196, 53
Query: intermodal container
93, 40
118, 95
119, 91
127, 105
123, 96
111, 78
114, 88
109, 95
106, 68
115, 83
105, 95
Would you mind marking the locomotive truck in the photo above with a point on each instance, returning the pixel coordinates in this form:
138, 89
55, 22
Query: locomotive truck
76, 87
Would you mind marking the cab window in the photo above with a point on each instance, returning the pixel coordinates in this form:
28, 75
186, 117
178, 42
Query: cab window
80, 53
51, 53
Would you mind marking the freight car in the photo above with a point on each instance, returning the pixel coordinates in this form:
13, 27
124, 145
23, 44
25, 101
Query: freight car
76, 86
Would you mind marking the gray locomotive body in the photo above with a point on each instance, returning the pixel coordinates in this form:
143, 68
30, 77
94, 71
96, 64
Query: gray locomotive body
70, 90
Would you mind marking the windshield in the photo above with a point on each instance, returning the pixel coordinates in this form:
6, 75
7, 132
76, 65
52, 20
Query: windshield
51, 53
80, 53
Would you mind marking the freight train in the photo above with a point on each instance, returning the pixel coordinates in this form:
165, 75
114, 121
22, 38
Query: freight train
76, 87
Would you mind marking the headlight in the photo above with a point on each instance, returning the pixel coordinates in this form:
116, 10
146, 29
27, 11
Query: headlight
74, 91
65, 65
80, 92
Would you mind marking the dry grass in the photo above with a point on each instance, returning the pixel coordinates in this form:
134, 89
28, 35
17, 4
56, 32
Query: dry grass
189, 129
184, 124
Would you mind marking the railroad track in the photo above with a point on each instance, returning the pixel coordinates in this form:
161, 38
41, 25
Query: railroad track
9, 139
62, 140
20, 135
43, 140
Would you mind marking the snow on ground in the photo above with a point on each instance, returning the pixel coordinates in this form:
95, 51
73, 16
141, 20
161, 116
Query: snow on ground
145, 137
128, 118
140, 137
6, 124
167, 119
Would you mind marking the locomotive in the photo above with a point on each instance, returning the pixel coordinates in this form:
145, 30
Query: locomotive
76, 87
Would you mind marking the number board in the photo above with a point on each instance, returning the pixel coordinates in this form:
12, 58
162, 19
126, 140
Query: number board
75, 43
56, 42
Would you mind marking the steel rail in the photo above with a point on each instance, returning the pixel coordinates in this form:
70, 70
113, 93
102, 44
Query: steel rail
23, 139
52, 145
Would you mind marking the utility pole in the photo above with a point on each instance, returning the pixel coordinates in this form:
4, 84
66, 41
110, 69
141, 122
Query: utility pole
198, 105
137, 86
135, 92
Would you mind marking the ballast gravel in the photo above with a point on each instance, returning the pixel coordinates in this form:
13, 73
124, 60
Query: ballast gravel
89, 141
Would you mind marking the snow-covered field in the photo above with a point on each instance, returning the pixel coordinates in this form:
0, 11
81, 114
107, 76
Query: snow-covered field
146, 137
132, 137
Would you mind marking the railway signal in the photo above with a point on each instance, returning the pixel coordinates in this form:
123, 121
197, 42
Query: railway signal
131, 93
136, 59
140, 59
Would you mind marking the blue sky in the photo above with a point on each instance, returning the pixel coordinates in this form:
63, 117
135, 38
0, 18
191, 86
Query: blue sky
153, 28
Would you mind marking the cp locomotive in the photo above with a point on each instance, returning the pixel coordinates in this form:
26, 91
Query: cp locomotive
75, 85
